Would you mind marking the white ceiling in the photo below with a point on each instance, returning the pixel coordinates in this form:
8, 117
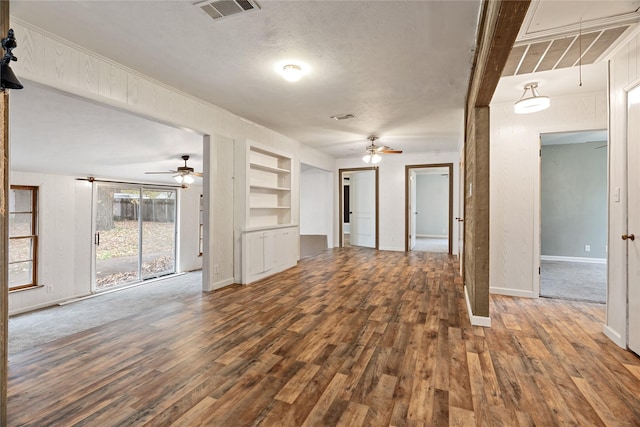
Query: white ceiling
401, 67
55, 133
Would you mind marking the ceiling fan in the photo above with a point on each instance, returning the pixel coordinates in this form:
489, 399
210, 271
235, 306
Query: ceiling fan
183, 174
373, 151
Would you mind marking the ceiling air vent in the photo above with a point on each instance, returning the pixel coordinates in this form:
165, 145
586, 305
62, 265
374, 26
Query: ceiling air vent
219, 9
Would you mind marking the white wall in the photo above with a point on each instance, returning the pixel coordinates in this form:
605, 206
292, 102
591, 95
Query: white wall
65, 239
188, 228
432, 205
624, 73
515, 185
57, 63
316, 203
392, 194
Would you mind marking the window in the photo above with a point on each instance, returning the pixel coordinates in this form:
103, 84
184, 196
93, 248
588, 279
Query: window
23, 237
201, 229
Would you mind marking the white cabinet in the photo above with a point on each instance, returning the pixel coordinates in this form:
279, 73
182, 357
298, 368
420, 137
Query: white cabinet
268, 251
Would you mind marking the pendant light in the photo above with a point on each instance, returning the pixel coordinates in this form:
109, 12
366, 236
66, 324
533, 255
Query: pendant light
533, 103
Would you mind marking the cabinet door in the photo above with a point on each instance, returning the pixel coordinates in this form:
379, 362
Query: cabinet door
287, 248
270, 247
255, 253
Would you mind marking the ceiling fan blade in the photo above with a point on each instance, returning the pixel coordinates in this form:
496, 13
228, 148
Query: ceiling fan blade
391, 151
200, 174
155, 173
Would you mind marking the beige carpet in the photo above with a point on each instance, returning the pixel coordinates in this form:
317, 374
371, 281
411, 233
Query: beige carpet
578, 281
32, 329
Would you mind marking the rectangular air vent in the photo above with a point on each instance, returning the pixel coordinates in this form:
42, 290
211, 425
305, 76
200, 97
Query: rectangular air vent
219, 9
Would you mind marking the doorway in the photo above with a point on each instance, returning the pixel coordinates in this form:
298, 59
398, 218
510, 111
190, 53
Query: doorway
429, 207
573, 215
358, 208
134, 234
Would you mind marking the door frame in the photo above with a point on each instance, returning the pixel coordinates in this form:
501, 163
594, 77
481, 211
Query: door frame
407, 183
341, 173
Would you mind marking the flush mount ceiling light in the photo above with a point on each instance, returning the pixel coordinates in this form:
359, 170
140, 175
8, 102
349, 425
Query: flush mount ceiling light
533, 103
292, 72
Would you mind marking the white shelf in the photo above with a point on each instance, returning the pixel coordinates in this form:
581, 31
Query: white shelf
268, 168
268, 187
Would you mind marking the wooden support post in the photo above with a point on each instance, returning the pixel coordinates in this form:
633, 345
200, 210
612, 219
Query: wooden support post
4, 228
499, 26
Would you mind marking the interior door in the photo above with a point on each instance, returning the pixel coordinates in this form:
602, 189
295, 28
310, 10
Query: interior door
633, 218
362, 195
117, 236
412, 209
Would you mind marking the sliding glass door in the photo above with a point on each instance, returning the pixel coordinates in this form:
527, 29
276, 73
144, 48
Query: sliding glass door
135, 234
158, 232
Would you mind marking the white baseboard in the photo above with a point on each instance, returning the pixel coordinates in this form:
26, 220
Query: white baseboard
432, 236
60, 301
475, 320
614, 336
512, 292
573, 259
391, 248
219, 285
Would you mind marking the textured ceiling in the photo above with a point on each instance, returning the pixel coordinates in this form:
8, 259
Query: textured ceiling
401, 67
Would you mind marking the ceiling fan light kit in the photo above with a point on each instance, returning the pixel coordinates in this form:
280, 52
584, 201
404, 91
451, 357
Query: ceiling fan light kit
183, 174
184, 179
533, 103
372, 158
373, 151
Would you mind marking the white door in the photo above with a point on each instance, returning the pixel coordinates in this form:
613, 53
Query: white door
362, 195
633, 218
413, 210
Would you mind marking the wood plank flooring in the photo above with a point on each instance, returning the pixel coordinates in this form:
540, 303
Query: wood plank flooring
349, 337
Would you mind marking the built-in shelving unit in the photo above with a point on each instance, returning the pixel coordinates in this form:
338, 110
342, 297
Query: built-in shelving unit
269, 241
269, 181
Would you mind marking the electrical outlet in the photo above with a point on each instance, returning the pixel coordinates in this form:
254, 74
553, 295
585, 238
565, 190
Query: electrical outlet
216, 269
587, 248
49, 289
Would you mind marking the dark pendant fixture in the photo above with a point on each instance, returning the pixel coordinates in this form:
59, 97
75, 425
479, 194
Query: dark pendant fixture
8, 79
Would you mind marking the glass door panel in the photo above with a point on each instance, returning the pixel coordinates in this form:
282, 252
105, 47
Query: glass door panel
158, 232
117, 236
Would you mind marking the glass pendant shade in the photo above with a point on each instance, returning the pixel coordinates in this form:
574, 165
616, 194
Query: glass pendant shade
533, 103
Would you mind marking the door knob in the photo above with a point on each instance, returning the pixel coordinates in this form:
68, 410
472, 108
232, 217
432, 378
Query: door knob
628, 236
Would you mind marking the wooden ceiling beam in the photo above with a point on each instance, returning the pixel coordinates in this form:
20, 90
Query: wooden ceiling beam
500, 23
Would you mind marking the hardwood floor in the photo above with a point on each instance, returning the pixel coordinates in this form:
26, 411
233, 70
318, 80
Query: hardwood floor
349, 337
